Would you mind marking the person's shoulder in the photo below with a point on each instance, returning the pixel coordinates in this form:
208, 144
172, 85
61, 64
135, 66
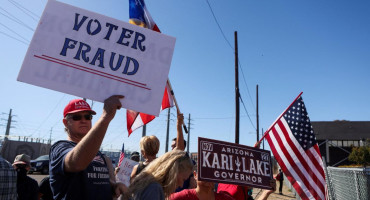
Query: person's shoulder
226, 187
45, 180
61, 146
63, 143
4, 164
223, 196
32, 181
154, 185
236, 191
153, 191
183, 194
59, 149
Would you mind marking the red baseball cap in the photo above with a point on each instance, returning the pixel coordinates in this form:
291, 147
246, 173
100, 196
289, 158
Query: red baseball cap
77, 105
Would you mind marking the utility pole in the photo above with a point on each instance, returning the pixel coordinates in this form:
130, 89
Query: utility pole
144, 130
51, 131
263, 141
188, 135
168, 129
257, 115
8, 125
143, 134
236, 90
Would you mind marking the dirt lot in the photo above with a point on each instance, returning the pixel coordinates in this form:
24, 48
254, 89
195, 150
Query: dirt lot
287, 193
37, 176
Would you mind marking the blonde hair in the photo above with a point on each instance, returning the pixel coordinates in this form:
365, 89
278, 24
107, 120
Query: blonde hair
150, 145
163, 170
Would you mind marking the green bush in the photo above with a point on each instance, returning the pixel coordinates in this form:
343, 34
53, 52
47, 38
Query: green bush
360, 155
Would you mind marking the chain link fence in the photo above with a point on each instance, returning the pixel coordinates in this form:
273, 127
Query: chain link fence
344, 183
348, 183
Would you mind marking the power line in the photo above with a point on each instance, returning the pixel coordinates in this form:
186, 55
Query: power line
250, 97
15, 32
23, 9
213, 14
247, 113
50, 113
206, 118
233, 50
13, 18
215, 118
14, 38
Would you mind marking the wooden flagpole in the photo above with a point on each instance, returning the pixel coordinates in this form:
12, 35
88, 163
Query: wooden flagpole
177, 106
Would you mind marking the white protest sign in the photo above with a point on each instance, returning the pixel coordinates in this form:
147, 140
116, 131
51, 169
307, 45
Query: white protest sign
124, 173
86, 54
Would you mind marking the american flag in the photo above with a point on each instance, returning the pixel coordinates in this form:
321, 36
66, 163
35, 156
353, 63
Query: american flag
140, 16
293, 143
121, 155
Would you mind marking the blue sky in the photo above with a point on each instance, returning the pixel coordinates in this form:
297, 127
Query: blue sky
319, 47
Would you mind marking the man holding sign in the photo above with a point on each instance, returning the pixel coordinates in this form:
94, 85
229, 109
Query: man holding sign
78, 170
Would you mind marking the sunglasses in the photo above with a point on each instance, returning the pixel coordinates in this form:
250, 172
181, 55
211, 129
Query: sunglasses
79, 117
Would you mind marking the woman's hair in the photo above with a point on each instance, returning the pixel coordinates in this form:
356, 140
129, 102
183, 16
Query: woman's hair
150, 145
163, 170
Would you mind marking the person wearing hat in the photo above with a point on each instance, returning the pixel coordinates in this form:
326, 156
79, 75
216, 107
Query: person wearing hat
27, 187
78, 170
135, 156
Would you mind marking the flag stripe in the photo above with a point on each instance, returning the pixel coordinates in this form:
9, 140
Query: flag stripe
317, 163
296, 167
289, 157
280, 158
304, 156
293, 155
318, 160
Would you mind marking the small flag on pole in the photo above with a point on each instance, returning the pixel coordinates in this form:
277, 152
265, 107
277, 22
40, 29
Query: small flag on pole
122, 155
140, 16
293, 144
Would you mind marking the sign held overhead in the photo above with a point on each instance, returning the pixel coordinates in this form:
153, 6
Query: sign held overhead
86, 54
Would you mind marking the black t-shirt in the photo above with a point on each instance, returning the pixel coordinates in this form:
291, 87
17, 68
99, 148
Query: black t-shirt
45, 190
140, 168
27, 188
91, 183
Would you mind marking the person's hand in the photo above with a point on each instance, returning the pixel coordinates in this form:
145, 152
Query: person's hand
273, 185
116, 170
119, 189
257, 145
192, 183
111, 105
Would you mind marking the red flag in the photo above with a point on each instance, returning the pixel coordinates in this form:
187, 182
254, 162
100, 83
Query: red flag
136, 119
295, 148
141, 17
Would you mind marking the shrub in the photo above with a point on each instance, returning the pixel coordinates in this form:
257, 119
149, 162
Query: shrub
360, 155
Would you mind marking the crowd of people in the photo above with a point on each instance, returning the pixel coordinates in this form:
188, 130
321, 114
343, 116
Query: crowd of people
15, 184
78, 170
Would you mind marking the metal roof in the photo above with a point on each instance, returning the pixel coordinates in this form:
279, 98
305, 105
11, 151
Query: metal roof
341, 130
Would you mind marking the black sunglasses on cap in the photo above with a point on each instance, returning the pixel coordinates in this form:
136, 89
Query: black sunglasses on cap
79, 117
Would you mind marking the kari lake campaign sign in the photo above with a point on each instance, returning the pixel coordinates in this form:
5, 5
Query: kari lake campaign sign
232, 163
86, 54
